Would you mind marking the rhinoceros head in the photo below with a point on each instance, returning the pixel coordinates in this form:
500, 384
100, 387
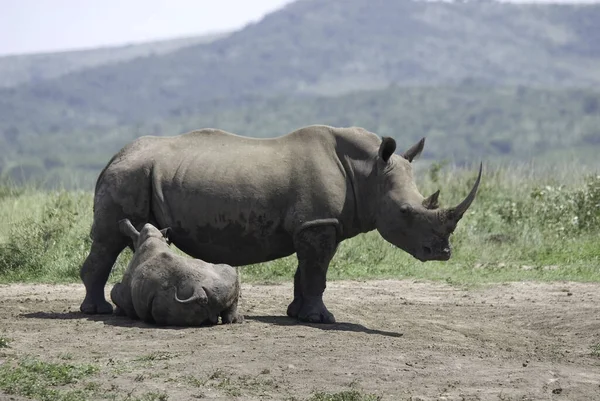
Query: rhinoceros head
147, 232
407, 219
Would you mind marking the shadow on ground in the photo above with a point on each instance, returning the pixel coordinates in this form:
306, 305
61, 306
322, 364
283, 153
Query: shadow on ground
108, 319
123, 321
342, 326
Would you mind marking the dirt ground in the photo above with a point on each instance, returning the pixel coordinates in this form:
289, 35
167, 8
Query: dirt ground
402, 340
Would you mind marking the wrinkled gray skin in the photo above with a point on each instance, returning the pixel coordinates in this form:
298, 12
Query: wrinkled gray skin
238, 200
168, 289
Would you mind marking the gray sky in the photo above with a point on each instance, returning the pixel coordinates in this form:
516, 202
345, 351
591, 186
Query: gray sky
28, 26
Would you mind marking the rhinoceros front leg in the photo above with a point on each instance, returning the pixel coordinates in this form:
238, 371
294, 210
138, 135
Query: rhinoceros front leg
315, 247
294, 308
121, 296
231, 315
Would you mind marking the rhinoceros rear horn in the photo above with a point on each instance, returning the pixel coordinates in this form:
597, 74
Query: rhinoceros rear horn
458, 211
432, 202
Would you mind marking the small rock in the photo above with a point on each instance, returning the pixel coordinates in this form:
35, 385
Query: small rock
569, 294
557, 391
526, 267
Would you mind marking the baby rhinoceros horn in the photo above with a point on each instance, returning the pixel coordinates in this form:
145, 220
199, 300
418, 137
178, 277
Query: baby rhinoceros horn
456, 213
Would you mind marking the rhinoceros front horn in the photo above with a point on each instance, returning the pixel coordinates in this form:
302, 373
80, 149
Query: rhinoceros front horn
458, 211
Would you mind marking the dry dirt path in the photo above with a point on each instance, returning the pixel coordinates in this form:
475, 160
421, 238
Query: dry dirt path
401, 340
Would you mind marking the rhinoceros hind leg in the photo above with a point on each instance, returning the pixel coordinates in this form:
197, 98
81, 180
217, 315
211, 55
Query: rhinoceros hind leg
315, 246
94, 274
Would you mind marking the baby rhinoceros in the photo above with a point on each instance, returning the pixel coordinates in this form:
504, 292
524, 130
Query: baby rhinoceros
168, 289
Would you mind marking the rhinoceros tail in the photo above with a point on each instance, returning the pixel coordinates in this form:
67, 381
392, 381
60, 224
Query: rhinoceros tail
199, 296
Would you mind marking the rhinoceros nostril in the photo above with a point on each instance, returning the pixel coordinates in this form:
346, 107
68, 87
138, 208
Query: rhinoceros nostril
427, 250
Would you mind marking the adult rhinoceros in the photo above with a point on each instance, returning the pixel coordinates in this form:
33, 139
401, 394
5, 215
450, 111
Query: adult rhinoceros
237, 200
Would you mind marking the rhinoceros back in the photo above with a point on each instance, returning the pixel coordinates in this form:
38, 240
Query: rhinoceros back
227, 198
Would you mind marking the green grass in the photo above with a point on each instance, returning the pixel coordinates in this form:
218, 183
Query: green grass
527, 223
595, 350
153, 396
40, 380
4, 341
351, 395
156, 356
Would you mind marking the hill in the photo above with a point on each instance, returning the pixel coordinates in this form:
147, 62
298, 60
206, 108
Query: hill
462, 123
481, 78
33, 68
335, 47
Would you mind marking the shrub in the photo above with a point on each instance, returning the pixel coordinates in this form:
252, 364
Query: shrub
558, 209
57, 237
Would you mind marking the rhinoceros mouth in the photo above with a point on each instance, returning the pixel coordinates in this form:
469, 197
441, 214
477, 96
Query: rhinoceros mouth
427, 254
443, 256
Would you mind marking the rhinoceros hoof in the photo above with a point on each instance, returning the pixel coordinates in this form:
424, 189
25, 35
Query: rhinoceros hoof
323, 316
232, 319
238, 319
103, 308
294, 308
315, 312
120, 312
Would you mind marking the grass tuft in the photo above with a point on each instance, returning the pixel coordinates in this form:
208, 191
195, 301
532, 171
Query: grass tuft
153, 396
351, 395
156, 356
595, 350
42, 380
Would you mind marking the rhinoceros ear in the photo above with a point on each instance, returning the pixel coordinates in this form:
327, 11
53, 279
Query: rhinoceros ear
387, 148
414, 151
128, 229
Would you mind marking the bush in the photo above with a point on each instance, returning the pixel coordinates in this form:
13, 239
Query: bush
557, 209
58, 239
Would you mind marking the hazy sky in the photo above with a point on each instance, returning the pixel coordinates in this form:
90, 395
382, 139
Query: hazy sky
47, 25
28, 26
